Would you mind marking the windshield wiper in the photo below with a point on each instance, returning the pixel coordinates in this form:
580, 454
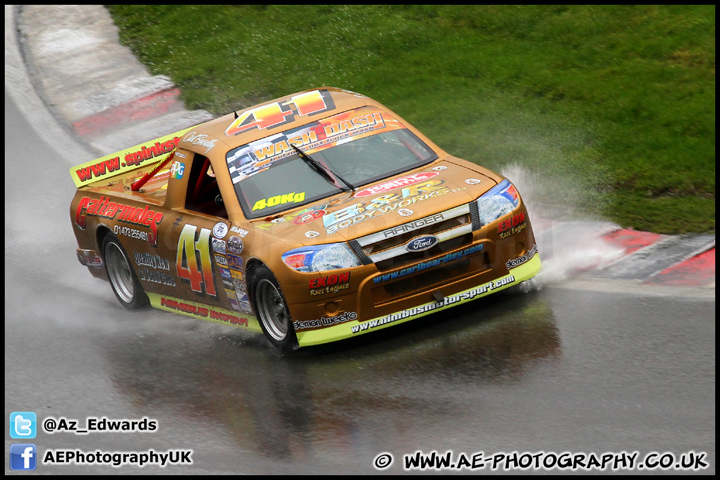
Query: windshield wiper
319, 168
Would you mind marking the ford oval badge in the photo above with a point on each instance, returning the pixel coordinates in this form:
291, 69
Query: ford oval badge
418, 244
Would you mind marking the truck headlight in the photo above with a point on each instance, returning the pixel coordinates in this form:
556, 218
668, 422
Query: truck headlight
501, 199
319, 258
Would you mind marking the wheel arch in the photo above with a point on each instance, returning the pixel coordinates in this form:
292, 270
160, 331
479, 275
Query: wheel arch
101, 232
251, 268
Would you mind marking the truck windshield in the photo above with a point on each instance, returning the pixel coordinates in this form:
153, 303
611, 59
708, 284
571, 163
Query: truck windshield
360, 147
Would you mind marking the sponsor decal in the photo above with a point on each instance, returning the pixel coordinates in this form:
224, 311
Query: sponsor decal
245, 306
284, 146
280, 146
440, 168
240, 231
235, 262
220, 230
125, 160
308, 216
391, 202
516, 262
353, 126
312, 234
472, 181
514, 230
396, 183
278, 220
104, 208
220, 260
148, 153
514, 221
247, 160
150, 260
200, 139
329, 280
325, 321
156, 277
404, 212
218, 246
90, 258
225, 273
450, 257
235, 245
329, 289
429, 307
303, 216
177, 170
131, 233
202, 312
279, 200
420, 244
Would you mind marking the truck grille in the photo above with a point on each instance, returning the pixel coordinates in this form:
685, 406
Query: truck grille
393, 247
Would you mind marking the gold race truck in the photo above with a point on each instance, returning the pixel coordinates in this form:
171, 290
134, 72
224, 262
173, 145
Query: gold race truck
312, 218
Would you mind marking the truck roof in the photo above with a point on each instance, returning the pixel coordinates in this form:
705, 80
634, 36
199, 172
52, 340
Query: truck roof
216, 137
237, 128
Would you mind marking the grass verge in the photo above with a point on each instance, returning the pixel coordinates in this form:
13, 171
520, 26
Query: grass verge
612, 106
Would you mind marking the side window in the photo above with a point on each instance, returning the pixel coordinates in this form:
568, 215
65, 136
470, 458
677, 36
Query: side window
203, 193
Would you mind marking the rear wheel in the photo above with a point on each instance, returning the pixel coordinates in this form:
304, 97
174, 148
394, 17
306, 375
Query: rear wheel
272, 310
124, 283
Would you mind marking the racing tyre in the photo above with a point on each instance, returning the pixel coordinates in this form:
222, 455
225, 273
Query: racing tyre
124, 283
272, 311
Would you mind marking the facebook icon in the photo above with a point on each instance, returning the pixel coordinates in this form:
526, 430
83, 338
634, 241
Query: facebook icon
23, 456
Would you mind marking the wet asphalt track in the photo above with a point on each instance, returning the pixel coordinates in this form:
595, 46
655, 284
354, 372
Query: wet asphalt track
564, 369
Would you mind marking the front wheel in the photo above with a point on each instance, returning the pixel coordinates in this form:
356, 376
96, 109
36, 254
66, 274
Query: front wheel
124, 283
272, 311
